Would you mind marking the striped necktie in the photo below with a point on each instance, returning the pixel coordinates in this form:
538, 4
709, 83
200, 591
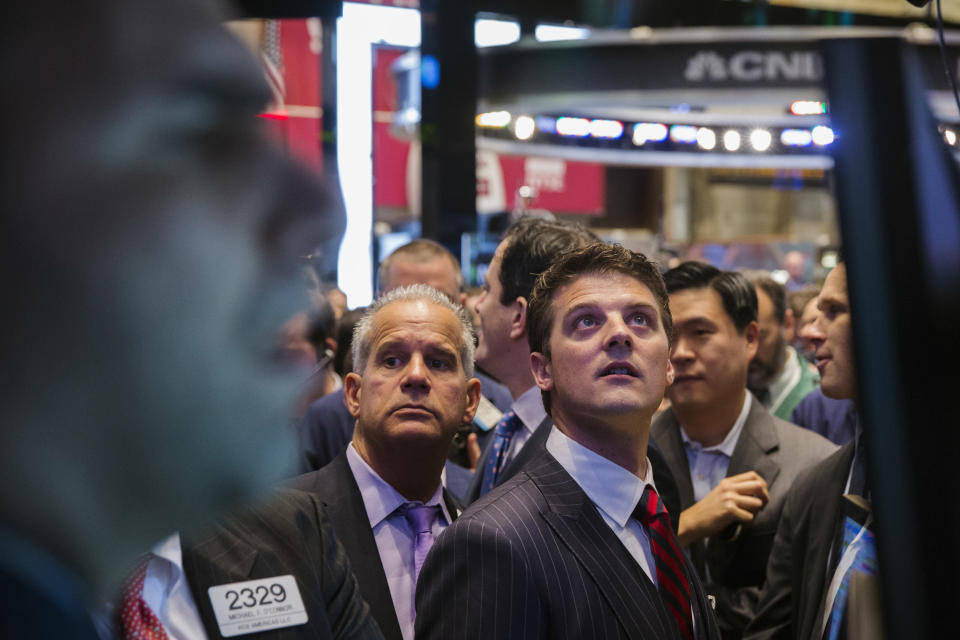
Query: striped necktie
502, 435
671, 577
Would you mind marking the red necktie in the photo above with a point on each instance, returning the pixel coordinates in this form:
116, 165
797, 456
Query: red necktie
671, 577
136, 618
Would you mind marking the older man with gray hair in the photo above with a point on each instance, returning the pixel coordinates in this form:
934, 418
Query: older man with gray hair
412, 387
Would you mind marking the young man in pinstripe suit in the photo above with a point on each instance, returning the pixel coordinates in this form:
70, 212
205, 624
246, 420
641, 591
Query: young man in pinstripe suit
577, 544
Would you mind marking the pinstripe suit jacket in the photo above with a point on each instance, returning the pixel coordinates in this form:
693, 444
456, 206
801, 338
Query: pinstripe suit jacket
534, 559
337, 489
289, 534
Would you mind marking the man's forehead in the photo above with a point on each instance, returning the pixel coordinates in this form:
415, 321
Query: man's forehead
835, 285
696, 301
410, 320
581, 290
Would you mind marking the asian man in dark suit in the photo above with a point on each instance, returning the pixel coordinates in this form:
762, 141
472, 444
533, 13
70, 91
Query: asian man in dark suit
578, 544
411, 390
734, 462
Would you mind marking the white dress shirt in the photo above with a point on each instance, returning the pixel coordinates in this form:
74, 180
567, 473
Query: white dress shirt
166, 592
394, 538
529, 408
613, 490
708, 465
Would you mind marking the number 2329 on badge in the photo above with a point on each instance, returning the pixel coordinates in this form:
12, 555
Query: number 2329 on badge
257, 605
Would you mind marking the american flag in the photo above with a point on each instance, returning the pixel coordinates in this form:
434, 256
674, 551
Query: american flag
273, 65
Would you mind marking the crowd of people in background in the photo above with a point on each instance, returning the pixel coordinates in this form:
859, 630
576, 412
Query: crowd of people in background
591, 446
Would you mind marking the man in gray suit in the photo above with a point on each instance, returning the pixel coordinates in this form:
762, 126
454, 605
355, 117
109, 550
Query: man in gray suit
578, 544
733, 461
411, 389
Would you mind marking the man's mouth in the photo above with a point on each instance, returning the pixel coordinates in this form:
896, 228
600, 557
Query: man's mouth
619, 369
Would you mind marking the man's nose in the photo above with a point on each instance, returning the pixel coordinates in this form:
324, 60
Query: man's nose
618, 334
681, 350
415, 374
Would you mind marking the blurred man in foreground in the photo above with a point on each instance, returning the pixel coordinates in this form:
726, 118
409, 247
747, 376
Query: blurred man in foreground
578, 543
150, 240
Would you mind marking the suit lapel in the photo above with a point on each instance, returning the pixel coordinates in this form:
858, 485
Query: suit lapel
341, 496
757, 441
821, 538
630, 594
235, 561
666, 430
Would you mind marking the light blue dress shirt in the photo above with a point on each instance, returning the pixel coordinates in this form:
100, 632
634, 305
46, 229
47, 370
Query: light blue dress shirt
393, 535
708, 465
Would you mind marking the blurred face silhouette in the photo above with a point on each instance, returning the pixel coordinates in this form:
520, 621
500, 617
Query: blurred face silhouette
162, 230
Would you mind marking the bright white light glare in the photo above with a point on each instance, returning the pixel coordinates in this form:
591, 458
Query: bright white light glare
760, 139
523, 127
644, 132
578, 127
610, 129
491, 33
808, 108
706, 138
822, 135
553, 32
358, 28
780, 275
683, 133
950, 136
796, 137
731, 140
495, 119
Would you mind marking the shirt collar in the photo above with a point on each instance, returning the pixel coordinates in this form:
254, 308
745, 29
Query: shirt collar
379, 498
788, 378
596, 476
733, 436
529, 408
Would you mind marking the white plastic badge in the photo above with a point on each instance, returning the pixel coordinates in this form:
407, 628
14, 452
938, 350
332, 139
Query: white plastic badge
257, 605
487, 415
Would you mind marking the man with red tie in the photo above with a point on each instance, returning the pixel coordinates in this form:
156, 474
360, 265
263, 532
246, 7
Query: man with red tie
578, 542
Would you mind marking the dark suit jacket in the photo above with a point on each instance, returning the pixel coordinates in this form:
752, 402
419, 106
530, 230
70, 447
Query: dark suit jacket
534, 559
338, 491
289, 534
796, 581
778, 451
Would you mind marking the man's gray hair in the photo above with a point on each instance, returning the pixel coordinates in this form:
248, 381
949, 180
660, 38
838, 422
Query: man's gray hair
413, 292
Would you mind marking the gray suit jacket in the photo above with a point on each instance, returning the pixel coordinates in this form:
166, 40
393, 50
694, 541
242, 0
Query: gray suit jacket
289, 534
337, 489
792, 599
534, 559
778, 451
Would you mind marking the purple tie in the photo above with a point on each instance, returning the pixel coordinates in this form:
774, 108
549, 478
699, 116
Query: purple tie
421, 517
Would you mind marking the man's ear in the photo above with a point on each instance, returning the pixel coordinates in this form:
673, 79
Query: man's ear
351, 393
542, 371
752, 334
473, 400
670, 372
789, 322
518, 318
